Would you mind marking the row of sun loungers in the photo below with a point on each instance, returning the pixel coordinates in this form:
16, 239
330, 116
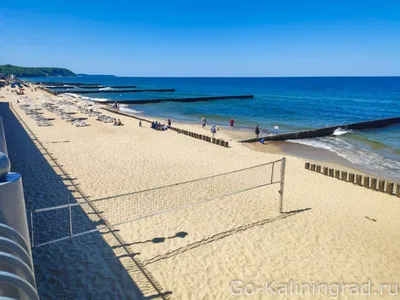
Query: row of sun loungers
34, 114
60, 108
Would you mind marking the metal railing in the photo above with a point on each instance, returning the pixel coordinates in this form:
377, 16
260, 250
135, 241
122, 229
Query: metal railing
3, 143
54, 224
17, 276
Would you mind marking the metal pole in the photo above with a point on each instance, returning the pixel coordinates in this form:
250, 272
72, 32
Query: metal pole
70, 221
272, 173
283, 165
32, 231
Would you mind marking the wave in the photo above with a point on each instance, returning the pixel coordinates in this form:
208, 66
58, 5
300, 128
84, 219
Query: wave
106, 89
364, 159
340, 131
94, 99
125, 108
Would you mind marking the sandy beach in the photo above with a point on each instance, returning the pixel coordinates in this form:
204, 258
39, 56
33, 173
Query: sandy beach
326, 235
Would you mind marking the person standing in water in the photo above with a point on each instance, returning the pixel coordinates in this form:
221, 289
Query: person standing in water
257, 130
232, 122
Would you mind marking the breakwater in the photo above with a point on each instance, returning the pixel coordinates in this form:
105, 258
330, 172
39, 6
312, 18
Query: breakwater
203, 137
92, 87
115, 91
372, 183
58, 83
191, 99
326, 131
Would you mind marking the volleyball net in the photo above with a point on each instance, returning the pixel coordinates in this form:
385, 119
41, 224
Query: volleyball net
54, 224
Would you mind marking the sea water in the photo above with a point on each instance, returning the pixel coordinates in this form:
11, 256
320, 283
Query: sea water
289, 103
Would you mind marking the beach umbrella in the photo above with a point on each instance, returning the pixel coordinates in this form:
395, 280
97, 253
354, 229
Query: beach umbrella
47, 100
95, 107
68, 107
82, 103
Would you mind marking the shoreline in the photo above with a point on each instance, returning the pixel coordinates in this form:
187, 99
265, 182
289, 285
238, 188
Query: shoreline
324, 234
287, 148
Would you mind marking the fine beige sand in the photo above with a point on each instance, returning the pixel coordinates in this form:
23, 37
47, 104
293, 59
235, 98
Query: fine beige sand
326, 235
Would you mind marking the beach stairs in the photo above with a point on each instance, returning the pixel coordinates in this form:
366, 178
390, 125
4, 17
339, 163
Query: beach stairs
365, 181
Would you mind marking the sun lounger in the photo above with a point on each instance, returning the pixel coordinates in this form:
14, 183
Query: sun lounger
80, 124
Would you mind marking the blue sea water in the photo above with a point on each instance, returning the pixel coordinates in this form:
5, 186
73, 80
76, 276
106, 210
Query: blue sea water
290, 103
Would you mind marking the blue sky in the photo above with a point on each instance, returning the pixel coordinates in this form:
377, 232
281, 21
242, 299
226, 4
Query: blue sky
204, 38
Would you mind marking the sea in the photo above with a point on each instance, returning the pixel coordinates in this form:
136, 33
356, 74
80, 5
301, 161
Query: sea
291, 104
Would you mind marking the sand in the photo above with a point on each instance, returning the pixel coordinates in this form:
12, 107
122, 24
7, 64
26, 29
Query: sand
327, 234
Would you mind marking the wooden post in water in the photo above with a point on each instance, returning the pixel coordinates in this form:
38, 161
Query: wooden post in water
381, 185
351, 177
374, 182
366, 181
325, 170
389, 188
312, 167
344, 176
331, 172
358, 179
337, 174
307, 165
318, 168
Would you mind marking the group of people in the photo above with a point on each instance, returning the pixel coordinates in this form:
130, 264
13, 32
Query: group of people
115, 105
214, 128
117, 122
158, 126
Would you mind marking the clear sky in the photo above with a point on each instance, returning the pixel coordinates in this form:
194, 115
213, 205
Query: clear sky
204, 37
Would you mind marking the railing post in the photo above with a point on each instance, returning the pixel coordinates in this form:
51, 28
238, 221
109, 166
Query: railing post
283, 165
32, 231
70, 221
272, 173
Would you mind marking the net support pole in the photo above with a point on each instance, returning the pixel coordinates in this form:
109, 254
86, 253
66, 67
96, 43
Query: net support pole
32, 231
283, 165
70, 221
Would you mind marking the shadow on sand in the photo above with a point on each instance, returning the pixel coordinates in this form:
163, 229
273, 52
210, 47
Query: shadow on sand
82, 268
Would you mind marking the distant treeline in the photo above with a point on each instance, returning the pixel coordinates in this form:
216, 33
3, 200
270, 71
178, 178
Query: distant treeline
34, 72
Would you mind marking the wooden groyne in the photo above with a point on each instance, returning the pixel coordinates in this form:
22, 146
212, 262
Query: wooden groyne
58, 83
326, 131
93, 87
203, 137
365, 181
116, 91
192, 99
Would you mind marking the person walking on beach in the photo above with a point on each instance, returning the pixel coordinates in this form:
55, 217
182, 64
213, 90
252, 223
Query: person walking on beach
257, 130
232, 122
169, 123
214, 130
203, 122
140, 123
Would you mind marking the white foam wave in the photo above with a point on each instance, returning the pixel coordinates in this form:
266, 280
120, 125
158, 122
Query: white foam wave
125, 108
340, 131
95, 99
106, 89
364, 159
